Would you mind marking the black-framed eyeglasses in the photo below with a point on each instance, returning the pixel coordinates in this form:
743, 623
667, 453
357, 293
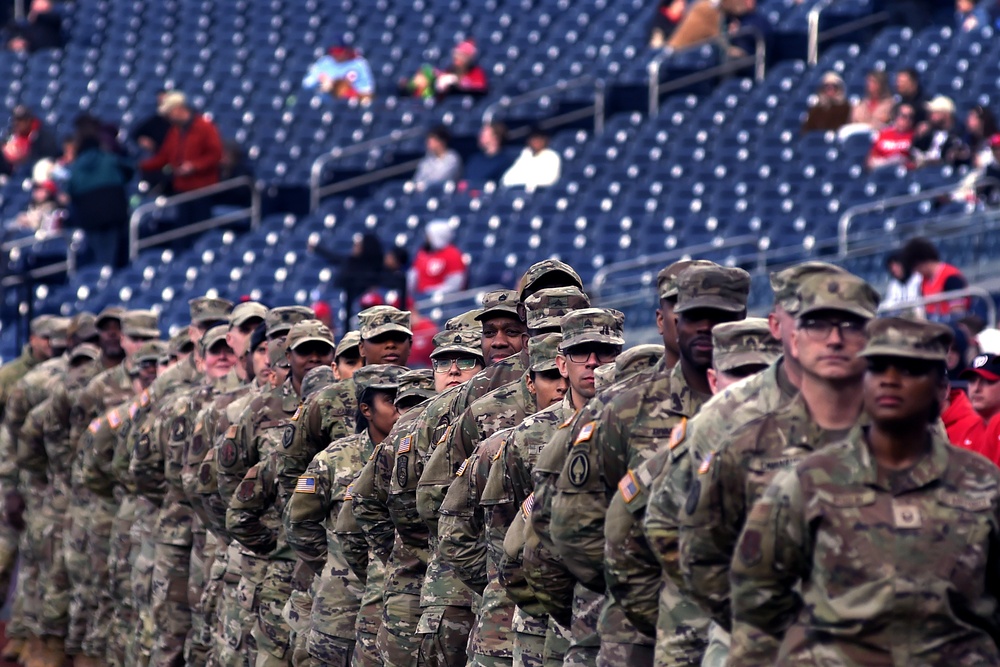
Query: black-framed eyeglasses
604, 355
820, 329
908, 367
463, 364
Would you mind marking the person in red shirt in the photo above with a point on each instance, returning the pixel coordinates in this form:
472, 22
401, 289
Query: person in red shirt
192, 149
893, 144
921, 256
984, 394
439, 267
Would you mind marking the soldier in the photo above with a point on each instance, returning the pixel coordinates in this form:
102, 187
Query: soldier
678, 642
633, 573
179, 348
35, 352
347, 356
267, 428
877, 549
626, 432
311, 517
830, 333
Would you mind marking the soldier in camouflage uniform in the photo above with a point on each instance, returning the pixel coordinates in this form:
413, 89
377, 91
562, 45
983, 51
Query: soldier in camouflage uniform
337, 622
626, 432
731, 478
632, 571
733, 407
878, 549
347, 357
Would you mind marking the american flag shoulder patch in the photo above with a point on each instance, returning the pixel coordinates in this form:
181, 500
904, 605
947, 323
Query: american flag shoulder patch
306, 484
94, 426
461, 468
706, 463
349, 494
405, 445
585, 433
528, 505
114, 418
629, 486
144, 398
678, 433
298, 413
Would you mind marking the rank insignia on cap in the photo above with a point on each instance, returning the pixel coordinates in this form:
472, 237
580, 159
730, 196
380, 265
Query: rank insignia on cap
629, 487
585, 433
678, 434
461, 468
405, 444
528, 505
94, 426
706, 463
298, 413
306, 484
114, 419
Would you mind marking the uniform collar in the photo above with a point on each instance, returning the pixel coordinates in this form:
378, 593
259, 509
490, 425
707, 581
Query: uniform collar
289, 399
687, 401
931, 467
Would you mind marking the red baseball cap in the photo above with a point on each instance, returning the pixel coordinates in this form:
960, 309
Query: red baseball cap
995, 140
986, 366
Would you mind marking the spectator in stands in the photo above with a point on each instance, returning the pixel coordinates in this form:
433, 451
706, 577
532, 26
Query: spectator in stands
538, 166
463, 76
909, 91
343, 74
441, 164
963, 424
938, 277
706, 19
98, 201
190, 156
984, 392
28, 142
831, 110
666, 19
980, 127
41, 30
43, 212
439, 267
969, 16
989, 191
875, 108
937, 142
893, 144
150, 132
489, 164
904, 286
357, 273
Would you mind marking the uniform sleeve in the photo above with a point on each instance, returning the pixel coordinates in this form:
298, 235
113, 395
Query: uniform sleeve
436, 478
770, 562
369, 501
306, 514
146, 461
254, 496
233, 458
352, 541
461, 528
178, 443
97, 459
31, 454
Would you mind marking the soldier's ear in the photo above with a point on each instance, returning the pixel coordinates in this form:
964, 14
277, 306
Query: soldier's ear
713, 380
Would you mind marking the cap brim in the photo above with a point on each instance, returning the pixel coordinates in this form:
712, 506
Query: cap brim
733, 361
415, 392
839, 307
107, 318
710, 303
903, 353
243, 319
590, 338
541, 367
341, 351
544, 322
57, 341
85, 354
142, 333
460, 349
383, 387
312, 339
969, 373
386, 328
498, 311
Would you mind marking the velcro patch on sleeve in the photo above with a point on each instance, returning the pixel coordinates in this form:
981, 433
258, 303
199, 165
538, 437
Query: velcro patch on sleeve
305, 484
629, 486
405, 445
678, 434
586, 433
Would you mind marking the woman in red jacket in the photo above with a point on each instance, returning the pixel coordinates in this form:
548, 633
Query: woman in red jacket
191, 151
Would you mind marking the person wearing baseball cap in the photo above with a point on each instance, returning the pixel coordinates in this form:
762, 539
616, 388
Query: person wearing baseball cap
983, 375
192, 149
309, 344
386, 337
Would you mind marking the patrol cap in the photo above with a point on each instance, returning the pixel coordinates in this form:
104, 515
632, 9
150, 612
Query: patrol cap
151, 351
842, 292
542, 351
258, 337
379, 320
276, 353
546, 268
745, 343
500, 303
205, 309
39, 325
714, 287
377, 376
178, 342
461, 342
416, 384
141, 324
467, 321
350, 341
309, 331
913, 339
280, 320
83, 326
316, 379
246, 311
592, 325
56, 330
109, 313
666, 279
546, 307
785, 283
636, 359
84, 351
986, 366
213, 336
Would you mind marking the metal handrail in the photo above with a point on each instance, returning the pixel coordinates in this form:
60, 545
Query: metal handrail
68, 267
844, 224
586, 81
980, 292
318, 191
815, 37
758, 59
253, 213
37, 237
443, 301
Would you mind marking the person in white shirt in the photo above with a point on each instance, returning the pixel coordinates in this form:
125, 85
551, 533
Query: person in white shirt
538, 166
904, 286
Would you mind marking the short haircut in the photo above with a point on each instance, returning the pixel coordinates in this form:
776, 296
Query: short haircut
441, 133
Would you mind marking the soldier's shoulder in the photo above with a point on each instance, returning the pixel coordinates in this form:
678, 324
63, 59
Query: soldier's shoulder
341, 445
543, 419
972, 469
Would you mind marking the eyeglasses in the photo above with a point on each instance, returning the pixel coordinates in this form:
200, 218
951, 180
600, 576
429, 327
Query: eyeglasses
849, 330
444, 365
907, 367
604, 355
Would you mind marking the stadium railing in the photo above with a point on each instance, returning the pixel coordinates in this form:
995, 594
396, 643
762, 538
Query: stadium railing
977, 292
816, 37
12, 250
597, 110
440, 308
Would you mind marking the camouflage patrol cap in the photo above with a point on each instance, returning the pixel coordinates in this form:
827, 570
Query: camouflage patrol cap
56, 329
246, 311
109, 313
592, 325
377, 376
419, 384
500, 303
309, 331
379, 320
277, 353
258, 337
213, 336
206, 309
316, 379
745, 343
84, 351
542, 352
178, 342
843, 292
546, 307
351, 340
547, 267
666, 279
636, 359
151, 351
83, 326
280, 320
141, 324
785, 283
462, 342
910, 339
714, 287
467, 321
39, 325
